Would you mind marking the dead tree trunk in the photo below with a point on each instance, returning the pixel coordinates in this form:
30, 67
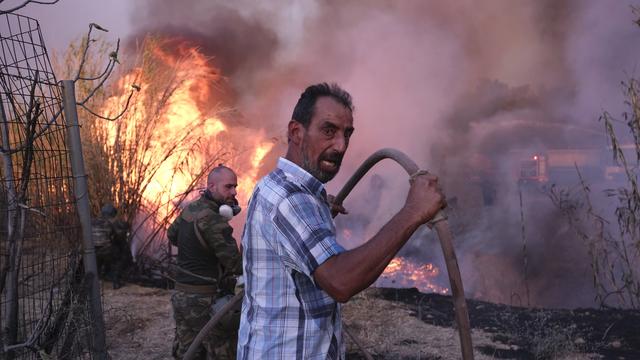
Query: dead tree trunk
10, 321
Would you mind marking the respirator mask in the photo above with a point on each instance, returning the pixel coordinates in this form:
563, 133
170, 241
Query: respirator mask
229, 211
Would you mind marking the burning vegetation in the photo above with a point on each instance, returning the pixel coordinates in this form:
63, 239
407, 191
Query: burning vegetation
176, 128
404, 273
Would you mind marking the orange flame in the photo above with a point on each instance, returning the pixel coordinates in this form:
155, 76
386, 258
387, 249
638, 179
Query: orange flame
184, 120
404, 273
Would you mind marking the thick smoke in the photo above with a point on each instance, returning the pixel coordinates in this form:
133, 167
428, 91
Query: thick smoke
466, 89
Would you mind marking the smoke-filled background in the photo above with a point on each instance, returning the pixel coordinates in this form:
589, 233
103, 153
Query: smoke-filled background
464, 88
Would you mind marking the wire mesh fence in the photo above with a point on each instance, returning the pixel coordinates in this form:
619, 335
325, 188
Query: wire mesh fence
43, 303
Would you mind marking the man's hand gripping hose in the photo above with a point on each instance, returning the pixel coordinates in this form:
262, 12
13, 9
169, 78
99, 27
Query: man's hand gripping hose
439, 222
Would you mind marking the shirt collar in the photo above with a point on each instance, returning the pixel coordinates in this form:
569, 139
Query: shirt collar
302, 177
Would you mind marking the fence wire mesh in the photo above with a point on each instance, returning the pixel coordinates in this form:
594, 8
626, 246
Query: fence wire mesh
43, 303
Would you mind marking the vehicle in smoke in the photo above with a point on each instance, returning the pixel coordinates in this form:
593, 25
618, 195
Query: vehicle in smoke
564, 166
489, 179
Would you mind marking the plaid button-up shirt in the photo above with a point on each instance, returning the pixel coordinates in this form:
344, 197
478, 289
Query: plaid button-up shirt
289, 233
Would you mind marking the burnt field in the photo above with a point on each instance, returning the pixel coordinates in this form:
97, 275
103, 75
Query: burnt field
405, 324
502, 331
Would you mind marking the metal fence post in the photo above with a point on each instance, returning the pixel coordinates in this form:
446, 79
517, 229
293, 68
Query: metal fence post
99, 350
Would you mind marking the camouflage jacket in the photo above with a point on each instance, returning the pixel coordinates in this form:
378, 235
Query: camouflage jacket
220, 259
102, 232
107, 231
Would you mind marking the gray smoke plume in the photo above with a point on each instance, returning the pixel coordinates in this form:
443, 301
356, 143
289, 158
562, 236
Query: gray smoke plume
466, 89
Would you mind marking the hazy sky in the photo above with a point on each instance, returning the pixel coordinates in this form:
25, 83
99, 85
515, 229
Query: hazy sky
69, 19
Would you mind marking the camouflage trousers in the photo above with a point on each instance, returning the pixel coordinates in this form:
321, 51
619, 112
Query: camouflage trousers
191, 313
113, 264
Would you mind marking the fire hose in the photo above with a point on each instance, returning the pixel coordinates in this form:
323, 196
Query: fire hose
439, 222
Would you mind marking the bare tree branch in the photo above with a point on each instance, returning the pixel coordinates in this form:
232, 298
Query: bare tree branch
106, 74
44, 129
124, 109
85, 51
40, 327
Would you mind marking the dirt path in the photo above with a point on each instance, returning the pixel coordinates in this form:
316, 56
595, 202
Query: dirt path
139, 322
140, 325
392, 324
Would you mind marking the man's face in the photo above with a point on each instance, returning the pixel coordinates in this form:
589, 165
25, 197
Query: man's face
223, 188
326, 140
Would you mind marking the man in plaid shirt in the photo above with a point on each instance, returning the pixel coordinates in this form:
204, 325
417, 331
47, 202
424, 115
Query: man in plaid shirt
295, 271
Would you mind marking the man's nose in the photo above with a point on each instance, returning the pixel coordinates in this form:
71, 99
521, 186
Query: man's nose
340, 144
234, 192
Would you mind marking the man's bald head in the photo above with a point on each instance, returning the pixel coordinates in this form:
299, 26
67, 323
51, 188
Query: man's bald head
221, 184
218, 172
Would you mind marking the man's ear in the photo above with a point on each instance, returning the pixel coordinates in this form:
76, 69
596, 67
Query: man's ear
295, 132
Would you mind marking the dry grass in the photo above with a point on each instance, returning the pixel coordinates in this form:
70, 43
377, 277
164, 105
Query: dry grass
612, 239
140, 325
138, 321
389, 331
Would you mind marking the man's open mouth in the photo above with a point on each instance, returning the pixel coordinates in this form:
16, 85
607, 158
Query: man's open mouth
330, 164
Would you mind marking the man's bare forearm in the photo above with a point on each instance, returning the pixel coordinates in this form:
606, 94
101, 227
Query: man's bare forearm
350, 272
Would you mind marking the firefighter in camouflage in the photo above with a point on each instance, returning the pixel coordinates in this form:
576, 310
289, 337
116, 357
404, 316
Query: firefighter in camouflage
111, 240
207, 266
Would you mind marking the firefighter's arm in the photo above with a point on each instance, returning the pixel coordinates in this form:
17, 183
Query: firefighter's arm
218, 235
172, 232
